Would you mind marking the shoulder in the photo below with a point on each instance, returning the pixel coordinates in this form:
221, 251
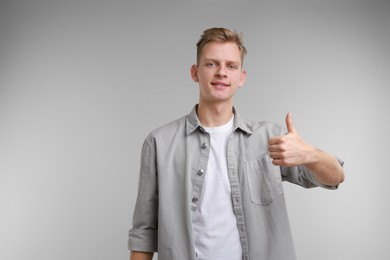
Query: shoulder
168, 130
251, 127
267, 128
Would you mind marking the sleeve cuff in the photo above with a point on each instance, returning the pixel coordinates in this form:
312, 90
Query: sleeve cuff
335, 187
142, 240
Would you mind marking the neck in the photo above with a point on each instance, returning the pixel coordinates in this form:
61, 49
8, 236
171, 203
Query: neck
212, 115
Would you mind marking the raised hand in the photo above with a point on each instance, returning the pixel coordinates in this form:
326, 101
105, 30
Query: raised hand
289, 149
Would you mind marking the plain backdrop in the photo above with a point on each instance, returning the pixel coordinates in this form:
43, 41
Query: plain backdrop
83, 82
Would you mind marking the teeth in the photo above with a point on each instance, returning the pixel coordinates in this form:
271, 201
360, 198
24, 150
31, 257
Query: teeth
220, 84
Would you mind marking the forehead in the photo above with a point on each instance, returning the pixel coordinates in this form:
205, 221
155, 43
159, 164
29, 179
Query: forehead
221, 51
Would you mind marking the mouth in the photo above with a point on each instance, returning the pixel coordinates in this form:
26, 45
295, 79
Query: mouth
220, 84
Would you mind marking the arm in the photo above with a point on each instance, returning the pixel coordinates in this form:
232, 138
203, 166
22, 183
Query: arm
134, 255
325, 167
291, 150
144, 234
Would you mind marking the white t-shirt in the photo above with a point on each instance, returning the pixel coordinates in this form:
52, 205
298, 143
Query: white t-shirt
214, 223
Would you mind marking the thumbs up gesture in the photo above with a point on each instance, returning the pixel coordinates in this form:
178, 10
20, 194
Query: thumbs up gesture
289, 149
290, 124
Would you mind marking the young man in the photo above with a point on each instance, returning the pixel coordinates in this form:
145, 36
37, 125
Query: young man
211, 182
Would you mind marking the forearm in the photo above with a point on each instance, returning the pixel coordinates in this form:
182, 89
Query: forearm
325, 167
135, 255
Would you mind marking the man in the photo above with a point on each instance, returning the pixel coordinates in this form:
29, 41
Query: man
211, 182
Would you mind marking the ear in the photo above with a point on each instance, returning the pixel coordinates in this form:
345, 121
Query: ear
194, 73
243, 79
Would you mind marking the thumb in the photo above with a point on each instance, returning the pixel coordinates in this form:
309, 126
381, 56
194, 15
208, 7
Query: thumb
289, 123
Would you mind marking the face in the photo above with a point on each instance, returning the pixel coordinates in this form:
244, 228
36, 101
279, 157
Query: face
219, 72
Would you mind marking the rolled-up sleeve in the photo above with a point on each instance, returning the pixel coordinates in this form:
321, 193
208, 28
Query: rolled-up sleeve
144, 233
300, 175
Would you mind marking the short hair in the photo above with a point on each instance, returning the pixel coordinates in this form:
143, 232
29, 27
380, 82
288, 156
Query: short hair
220, 35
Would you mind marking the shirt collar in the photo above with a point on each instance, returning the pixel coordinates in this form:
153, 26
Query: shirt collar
192, 122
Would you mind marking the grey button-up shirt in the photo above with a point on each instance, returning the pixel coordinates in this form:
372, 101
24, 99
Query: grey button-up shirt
173, 166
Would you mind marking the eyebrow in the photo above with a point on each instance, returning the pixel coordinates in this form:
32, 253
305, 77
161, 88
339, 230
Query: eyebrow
217, 61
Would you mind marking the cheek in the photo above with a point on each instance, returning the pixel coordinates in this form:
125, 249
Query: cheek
237, 80
241, 79
204, 76
206, 73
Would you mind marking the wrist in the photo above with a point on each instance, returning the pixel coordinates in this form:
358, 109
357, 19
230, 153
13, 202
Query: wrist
311, 155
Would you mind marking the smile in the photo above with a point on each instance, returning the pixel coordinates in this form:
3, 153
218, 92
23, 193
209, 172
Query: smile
220, 84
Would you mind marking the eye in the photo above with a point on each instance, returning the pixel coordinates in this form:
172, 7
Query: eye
233, 67
210, 64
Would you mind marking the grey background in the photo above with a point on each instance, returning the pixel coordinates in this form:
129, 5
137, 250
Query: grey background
83, 82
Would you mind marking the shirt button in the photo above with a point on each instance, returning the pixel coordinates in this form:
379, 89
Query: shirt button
194, 199
200, 172
204, 146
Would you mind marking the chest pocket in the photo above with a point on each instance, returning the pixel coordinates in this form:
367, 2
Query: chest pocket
264, 180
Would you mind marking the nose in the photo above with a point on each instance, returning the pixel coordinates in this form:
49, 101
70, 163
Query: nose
221, 72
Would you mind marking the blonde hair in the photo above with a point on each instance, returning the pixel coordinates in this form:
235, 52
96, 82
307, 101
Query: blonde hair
220, 35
